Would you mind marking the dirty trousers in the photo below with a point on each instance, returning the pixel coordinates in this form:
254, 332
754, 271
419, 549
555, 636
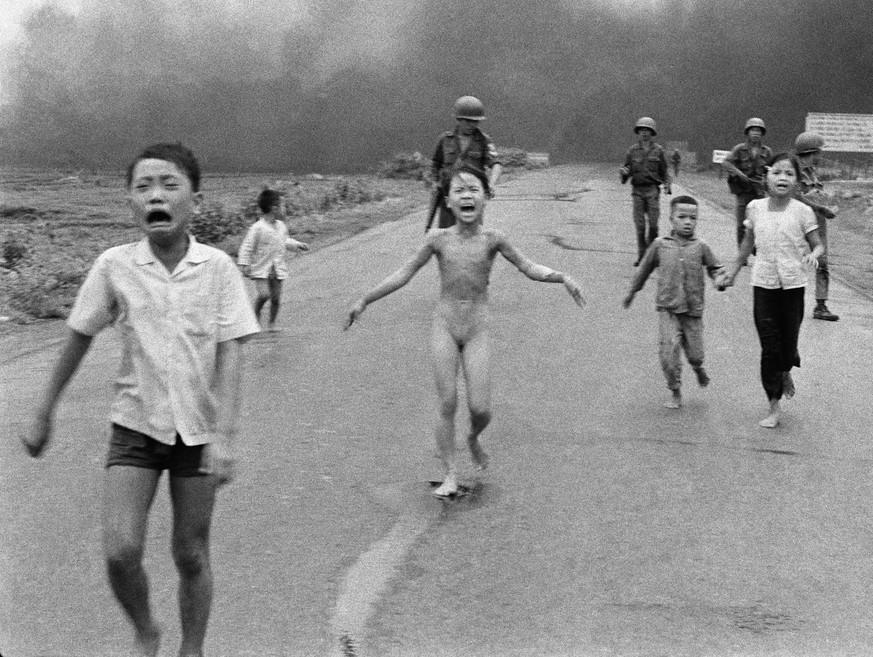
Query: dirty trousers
647, 209
778, 315
679, 331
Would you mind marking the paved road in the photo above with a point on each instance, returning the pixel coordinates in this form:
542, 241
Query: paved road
607, 525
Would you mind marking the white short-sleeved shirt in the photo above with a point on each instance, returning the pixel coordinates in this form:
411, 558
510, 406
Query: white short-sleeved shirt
780, 243
170, 326
264, 248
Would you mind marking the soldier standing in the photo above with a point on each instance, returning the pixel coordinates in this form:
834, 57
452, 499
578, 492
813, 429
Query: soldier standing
808, 147
466, 144
745, 169
646, 167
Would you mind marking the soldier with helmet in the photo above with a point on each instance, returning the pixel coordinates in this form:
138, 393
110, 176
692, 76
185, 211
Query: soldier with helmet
808, 147
745, 169
646, 167
465, 145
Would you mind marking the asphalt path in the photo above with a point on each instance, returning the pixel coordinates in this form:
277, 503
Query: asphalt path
606, 525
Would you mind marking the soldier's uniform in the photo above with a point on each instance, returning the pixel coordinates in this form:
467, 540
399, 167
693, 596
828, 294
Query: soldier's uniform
449, 155
647, 172
749, 160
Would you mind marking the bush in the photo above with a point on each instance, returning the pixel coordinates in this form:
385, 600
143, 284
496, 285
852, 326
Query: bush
213, 224
405, 165
45, 293
512, 158
14, 251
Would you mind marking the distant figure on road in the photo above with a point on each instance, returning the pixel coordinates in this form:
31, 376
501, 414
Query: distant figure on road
783, 230
181, 311
810, 190
677, 160
262, 253
646, 167
745, 168
465, 253
466, 144
681, 260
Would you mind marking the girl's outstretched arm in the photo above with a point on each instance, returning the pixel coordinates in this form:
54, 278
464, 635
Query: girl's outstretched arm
391, 283
537, 272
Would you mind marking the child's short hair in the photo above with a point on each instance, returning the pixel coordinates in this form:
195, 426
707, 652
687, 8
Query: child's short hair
684, 199
473, 170
269, 199
176, 153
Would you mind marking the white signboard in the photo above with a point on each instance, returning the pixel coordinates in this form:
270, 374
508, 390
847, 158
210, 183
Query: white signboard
852, 133
719, 156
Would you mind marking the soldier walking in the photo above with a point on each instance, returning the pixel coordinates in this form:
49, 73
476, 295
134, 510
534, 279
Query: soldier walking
465, 145
646, 167
745, 169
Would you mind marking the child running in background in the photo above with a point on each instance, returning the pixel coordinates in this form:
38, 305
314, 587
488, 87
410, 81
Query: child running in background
182, 312
785, 235
262, 253
465, 253
681, 260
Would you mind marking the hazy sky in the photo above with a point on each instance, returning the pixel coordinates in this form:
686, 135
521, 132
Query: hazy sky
342, 84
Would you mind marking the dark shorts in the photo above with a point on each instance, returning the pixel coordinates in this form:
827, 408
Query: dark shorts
129, 447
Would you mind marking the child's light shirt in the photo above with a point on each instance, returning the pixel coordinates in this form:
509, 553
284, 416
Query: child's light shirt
780, 243
170, 326
264, 248
682, 265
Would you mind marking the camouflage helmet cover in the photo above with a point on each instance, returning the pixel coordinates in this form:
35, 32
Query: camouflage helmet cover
469, 107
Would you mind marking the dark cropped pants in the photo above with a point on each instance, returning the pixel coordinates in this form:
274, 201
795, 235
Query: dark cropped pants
778, 315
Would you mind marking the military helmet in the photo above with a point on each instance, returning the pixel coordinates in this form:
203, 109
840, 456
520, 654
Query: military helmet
755, 122
808, 142
469, 107
647, 122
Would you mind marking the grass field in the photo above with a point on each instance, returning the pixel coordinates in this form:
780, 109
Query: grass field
53, 224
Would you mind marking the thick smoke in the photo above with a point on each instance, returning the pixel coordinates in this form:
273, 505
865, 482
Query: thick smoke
340, 84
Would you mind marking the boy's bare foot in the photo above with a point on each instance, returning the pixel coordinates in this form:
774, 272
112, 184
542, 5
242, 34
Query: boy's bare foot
702, 377
788, 385
148, 643
675, 400
272, 328
477, 454
449, 486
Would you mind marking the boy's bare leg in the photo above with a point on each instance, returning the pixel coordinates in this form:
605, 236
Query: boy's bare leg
193, 500
476, 360
275, 300
772, 420
445, 367
129, 492
262, 295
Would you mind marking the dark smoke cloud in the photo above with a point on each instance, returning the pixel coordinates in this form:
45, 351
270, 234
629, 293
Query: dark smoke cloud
341, 84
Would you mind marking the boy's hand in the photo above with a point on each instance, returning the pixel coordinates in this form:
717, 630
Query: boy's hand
218, 462
575, 291
35, 442
628, 300
354, 313
810, 261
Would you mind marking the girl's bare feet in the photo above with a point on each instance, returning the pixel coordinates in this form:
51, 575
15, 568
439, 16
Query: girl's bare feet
772, 420
449, 486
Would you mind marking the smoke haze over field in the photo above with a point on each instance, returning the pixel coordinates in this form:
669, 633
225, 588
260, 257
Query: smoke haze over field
338, 85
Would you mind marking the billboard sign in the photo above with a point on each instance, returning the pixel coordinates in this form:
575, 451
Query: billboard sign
850, 133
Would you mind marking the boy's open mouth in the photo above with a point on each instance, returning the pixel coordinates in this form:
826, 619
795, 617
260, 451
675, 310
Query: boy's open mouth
158, 218
468, 207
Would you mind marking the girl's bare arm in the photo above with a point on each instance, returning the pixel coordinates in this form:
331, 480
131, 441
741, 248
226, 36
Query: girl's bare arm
392, 283
537, 272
